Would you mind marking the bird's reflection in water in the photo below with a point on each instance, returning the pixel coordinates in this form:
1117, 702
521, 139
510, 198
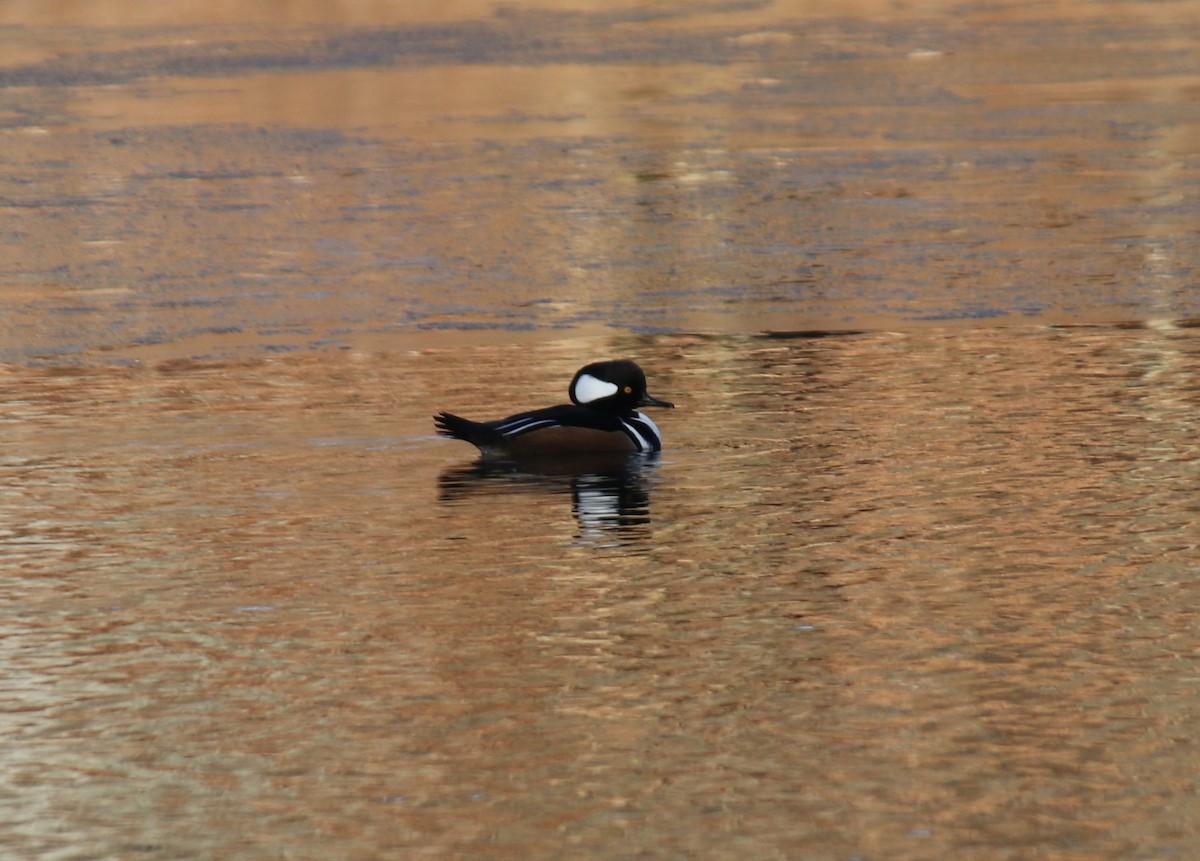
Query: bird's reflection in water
610, 495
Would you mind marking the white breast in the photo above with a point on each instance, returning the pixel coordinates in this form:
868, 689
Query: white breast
639, 429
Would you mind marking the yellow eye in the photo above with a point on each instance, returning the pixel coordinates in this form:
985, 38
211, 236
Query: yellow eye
629, 390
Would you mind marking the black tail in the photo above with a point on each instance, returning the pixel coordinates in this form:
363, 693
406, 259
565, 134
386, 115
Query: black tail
476, 434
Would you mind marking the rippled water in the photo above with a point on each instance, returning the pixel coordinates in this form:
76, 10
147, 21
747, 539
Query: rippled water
913, 578
885, 595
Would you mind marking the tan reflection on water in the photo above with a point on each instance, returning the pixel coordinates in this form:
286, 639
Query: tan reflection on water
436, 103
356, 174
897, 596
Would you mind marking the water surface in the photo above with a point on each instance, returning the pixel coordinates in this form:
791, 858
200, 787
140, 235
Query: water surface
913, 578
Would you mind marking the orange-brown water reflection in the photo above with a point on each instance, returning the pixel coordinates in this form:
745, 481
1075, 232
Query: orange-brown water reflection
922, 591
901, 595
243, 188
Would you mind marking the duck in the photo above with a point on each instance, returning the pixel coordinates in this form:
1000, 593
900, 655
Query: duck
602, 419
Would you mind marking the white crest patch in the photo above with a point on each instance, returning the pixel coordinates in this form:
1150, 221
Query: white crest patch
589, 388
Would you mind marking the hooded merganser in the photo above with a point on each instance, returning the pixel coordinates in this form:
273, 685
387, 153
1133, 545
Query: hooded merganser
601, 419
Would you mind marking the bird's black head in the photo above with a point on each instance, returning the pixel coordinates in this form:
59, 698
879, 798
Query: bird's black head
618, 386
